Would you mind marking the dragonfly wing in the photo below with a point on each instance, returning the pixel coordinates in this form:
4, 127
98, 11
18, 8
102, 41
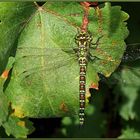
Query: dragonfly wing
132, 53
43, 58
48, 74
124, 77
106, 59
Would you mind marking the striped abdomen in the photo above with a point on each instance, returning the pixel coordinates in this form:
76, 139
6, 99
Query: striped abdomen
82, 87
83, 40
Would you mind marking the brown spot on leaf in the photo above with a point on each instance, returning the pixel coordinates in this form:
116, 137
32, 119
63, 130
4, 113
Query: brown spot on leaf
114, 43
94, 86
63, 107
110, 58
104, 62
5, 74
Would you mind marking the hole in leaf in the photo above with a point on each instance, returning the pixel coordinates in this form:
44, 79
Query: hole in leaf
40, 3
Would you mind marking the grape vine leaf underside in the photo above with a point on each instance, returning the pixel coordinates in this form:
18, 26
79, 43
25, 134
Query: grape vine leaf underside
45, 77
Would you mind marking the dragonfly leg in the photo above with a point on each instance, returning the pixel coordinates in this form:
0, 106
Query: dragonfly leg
75, 50
92, 58
96, 43
71, 51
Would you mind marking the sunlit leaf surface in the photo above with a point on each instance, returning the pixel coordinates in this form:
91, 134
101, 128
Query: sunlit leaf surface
45, 77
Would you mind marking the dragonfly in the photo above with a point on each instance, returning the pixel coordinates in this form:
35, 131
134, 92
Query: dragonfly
83, 40
34, 64
80, 54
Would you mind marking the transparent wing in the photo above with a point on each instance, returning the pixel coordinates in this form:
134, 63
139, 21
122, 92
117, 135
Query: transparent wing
103, 52
132, 53
126, 76
36, 59
128, 72
45, 75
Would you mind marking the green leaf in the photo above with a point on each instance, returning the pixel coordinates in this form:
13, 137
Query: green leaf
3, 108
130, 133
129, 90
13, 17
111, 27
45, 75
19, 131
4, 103
10, 122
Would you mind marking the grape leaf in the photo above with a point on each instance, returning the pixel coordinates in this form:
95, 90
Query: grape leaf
111, 27
45, 78
13, 17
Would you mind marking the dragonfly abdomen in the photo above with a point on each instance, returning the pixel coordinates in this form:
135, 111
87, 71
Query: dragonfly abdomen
83, 39
82, 88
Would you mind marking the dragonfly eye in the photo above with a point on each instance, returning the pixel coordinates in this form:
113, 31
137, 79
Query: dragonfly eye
83, 36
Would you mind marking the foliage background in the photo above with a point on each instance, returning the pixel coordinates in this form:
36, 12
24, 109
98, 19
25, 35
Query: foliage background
114, 109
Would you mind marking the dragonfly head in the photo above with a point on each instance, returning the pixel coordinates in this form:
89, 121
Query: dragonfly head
83, 37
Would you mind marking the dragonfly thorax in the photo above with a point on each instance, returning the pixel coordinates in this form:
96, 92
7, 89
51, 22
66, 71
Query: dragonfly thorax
82, 51
83, 40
